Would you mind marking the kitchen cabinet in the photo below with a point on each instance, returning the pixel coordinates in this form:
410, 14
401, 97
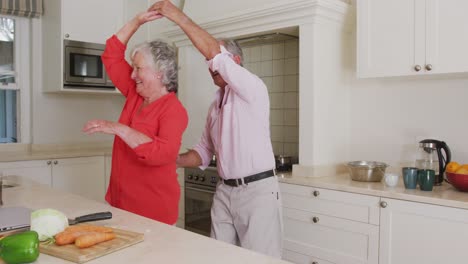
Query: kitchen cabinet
326, 226
85, 20
36, 170
413, 232
83, 175
411, 37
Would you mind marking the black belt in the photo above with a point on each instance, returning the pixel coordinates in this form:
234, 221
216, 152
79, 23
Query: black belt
249, 179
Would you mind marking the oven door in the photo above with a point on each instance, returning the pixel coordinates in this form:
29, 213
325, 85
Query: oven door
198, 201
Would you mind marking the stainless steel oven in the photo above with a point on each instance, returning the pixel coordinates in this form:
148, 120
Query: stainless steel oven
200, 187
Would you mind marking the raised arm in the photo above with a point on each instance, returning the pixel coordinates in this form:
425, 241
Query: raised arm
201, 39
127, 31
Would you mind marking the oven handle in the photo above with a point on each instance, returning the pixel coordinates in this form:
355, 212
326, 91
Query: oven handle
199, 190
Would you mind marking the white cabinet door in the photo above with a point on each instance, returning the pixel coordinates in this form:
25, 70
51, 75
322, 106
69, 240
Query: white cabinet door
411, 37
91, 20
447, 35
83, 176
421, 233
36, 170
388, 33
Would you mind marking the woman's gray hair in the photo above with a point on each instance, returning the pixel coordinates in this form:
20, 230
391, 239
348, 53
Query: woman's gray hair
233, 47
164, 59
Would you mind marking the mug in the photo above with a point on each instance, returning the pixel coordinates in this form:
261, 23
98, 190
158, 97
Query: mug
426, 179
410, 177
391, 179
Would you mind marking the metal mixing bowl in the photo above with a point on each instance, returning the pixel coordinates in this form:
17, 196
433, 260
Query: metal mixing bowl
367, 171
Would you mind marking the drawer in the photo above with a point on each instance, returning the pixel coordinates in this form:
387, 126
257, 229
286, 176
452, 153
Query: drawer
356, 207
330, 238
298, 258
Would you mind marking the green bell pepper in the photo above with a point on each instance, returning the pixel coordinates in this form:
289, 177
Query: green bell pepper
20, 248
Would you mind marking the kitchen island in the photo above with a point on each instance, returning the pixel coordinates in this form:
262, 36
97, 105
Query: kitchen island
162, 243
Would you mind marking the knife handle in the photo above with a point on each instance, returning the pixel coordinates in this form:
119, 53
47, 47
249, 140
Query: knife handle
94, 217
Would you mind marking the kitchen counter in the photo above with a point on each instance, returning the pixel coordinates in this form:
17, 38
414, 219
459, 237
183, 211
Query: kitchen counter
162, 243
43, 152
444, 195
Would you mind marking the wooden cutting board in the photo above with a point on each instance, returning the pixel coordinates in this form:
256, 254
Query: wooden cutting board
123, 239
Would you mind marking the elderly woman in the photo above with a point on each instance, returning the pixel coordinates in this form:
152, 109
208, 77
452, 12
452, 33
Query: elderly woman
149, 132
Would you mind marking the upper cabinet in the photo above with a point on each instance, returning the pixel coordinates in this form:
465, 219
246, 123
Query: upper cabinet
411, 37
90, 20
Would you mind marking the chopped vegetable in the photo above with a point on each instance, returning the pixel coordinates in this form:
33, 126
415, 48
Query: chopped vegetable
93, 238
48, 222
67, 237
89, 228
20, 248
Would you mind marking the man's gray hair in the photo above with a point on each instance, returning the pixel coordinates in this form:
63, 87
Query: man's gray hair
233, 47
164, 60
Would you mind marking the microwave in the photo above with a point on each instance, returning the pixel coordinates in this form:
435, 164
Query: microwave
83, 66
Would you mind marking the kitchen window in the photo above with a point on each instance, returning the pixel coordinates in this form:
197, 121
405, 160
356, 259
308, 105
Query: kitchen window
14, 79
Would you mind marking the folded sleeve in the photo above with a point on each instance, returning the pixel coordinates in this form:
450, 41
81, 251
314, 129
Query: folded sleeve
165, 146
117, 68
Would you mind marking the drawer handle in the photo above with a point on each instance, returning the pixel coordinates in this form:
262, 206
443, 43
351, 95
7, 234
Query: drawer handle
383, 204
315, 262
49, 162
316, 193
315, 219
55, 162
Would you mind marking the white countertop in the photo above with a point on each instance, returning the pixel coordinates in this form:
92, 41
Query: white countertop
162, 243
444, 195
43, 152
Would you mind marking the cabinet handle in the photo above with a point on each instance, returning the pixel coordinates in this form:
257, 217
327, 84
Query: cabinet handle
417, 68
383, 204
315, 219
315, 262
428, 67
316, 193
67, 35
55, 162
49, 162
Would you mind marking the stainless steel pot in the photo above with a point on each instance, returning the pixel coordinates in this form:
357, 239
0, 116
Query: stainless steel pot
283, 163
367, 171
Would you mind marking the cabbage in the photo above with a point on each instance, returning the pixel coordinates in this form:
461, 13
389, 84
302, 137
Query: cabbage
48, 222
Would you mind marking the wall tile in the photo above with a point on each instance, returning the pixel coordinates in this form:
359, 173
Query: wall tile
291, 149
277, 84
277, 147
291, 83
276, 100
277, 133
278, 51
246, 54
291, 100
291, 49
266, 68
278, 67
276, 117
266, 52
291, 117
255, 68
291, 66
291, 134
255, 54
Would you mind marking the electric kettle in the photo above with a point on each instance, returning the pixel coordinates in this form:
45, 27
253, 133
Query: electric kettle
431, 157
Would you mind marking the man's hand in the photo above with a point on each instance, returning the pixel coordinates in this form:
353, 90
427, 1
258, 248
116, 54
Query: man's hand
167, 9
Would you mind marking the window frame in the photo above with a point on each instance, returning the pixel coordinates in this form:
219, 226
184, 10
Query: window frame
23, 60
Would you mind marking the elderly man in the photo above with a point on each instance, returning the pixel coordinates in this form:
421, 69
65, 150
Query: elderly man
246, 208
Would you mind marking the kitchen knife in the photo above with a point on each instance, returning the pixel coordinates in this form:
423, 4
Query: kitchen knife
90, 217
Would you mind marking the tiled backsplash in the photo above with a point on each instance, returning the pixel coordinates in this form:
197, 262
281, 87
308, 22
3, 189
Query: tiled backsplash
278, 66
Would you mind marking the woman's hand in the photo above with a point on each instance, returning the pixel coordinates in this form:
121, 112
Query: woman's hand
100, 126
167, 9
147, 16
